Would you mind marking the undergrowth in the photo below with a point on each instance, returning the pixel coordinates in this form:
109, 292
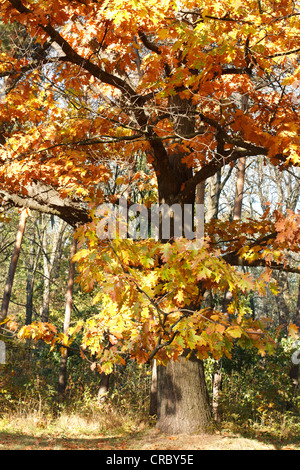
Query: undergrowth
256, 398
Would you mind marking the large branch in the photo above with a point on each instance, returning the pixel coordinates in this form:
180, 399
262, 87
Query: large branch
73, 57
45, 199
151, 46
241, 148
234, 259
213, 167
136, 101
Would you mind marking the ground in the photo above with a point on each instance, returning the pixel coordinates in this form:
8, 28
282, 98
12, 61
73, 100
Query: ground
150, 439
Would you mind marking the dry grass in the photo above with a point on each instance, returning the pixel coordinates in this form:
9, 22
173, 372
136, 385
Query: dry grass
107, 429
68, 423
98, 429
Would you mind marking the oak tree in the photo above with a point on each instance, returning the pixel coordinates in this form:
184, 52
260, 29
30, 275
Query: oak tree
108, 80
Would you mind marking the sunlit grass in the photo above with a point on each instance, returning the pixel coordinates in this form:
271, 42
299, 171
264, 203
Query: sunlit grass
105, 421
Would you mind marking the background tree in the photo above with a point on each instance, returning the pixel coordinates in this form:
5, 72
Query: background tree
13, 265
62, 378
52, 241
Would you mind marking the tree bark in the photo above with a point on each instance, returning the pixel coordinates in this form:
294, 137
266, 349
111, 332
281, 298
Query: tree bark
214, 196
294, 370
103, 388
153, 391
49, 264
62, 378
32, 267
200, 193
182, 397
216, 393
30, 282
44, 310
47, 200
240, 181
13, 265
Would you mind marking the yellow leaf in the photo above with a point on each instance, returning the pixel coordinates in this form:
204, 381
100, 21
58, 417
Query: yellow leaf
180, 296
293, 330
234, 331
119, 180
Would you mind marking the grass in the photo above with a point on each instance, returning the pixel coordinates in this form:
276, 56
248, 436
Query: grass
108, 428
101, 429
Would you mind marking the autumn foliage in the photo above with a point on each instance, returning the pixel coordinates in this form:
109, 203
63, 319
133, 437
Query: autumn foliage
104, 81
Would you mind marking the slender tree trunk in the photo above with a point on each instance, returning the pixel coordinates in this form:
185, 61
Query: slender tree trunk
62, 378
13, 265
214, 196
32, 265
153, 391
49, 264
103, 388
215, 187
240, 181
283, 299
216, 393
182, 397
44, 310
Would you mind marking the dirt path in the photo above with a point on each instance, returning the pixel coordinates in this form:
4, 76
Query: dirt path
147, 440
153, 439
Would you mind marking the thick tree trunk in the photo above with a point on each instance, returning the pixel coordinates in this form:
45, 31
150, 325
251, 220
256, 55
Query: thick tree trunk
183, 404
182, 398
200, 193
294, 369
